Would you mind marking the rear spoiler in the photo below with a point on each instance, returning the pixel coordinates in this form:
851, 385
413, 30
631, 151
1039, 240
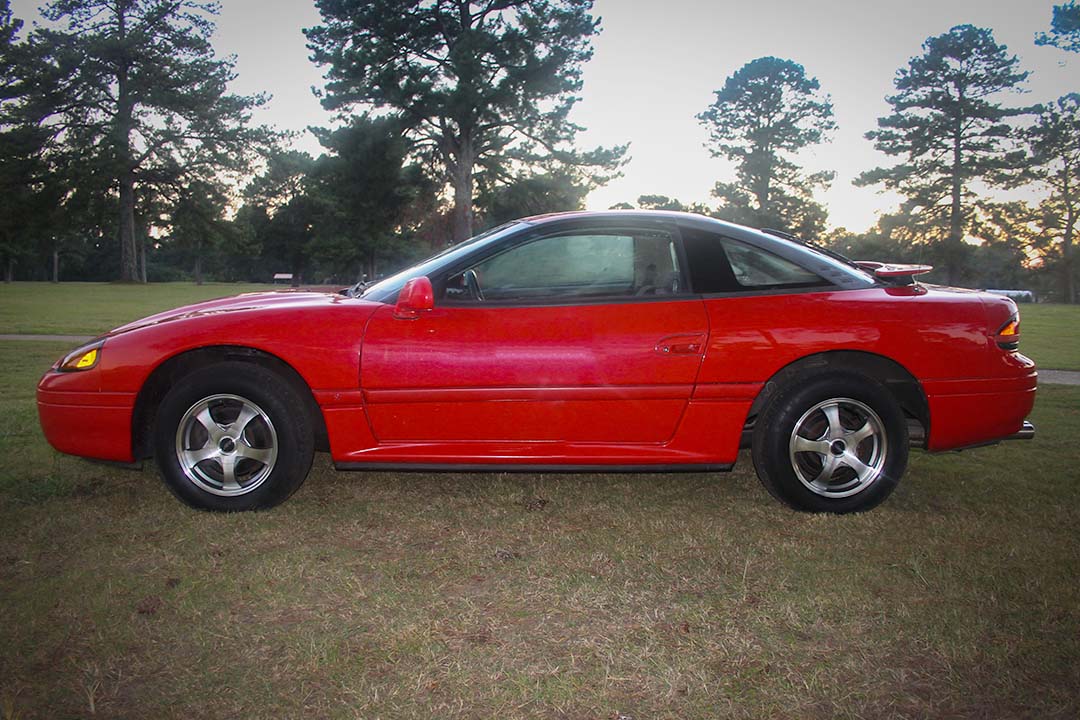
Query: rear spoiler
894, 274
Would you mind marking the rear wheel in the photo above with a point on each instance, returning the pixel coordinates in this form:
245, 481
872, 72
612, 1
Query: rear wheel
233, 436
836, 443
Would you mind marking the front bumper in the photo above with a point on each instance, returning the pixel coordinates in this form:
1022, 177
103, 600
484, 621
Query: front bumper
85, 423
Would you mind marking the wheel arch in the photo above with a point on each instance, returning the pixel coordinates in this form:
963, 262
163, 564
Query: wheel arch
894, 377
175, 368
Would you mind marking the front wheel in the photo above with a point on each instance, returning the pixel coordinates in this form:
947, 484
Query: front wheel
837, 443
233, 436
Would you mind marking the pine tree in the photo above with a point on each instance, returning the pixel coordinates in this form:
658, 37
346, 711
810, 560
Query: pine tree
484, 88
366, 187
281, 213
767, 112
27, 192
950, 128
198, 223
1055, 149
1064, 28
143, 99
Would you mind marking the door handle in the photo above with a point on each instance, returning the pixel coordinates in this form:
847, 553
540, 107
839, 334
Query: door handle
681, 345
690, 348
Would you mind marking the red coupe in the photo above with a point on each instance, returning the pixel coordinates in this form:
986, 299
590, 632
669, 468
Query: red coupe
615, 341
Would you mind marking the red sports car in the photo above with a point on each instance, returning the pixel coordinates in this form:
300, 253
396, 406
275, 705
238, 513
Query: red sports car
618, 341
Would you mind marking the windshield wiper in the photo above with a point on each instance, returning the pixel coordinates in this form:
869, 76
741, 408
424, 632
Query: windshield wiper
358, 289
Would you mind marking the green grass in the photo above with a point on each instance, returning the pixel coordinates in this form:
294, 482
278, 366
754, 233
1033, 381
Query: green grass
1050, 335
93, 308
476, 596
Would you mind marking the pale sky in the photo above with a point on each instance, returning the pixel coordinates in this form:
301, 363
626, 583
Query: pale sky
656, 65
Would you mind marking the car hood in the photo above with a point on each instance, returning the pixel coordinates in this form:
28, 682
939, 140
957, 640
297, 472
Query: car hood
247, 302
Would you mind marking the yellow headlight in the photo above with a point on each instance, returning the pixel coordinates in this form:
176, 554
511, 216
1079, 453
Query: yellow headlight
82, 358
87, 360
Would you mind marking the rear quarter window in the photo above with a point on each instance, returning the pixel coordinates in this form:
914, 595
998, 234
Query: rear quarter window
719, 264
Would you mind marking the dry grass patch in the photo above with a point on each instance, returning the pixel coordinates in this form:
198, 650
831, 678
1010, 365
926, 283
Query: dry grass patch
557, 596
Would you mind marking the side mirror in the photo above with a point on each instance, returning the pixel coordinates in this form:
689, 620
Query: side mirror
416, 297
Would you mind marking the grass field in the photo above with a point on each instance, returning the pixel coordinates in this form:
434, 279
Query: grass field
556, 596
1051, 335
93, 308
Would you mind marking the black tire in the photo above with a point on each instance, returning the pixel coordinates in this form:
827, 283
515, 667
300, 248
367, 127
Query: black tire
834, 443
251, 425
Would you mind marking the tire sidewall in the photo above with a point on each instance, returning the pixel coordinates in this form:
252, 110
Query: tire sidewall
772, 435
280, 403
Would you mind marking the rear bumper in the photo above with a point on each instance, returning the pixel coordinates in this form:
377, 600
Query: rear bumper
976, 411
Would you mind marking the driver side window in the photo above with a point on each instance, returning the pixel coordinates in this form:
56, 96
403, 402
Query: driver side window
593, 264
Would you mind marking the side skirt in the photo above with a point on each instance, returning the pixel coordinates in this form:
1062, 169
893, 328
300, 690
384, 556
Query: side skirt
508, 468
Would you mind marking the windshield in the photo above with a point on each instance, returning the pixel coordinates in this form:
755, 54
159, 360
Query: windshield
387, 289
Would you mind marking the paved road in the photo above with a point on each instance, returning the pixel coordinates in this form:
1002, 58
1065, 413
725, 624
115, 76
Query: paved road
49, 338
1059, 377
1046, 377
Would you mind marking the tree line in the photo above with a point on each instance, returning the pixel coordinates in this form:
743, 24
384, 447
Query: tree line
124, 155
956, 140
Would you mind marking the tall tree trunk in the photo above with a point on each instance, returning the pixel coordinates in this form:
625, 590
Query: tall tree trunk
1068, 289
142, 256
1068, 285
462, 178
9, 270
198, 267
55, 265
762, 188
129, 259
1068, 276
956, 211
125, 111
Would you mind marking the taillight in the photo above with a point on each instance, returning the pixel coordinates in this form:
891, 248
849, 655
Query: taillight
1008, 336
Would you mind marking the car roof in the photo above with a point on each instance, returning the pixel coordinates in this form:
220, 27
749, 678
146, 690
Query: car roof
684, 218
624, 214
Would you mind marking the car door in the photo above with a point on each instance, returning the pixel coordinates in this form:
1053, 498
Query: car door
578, 335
